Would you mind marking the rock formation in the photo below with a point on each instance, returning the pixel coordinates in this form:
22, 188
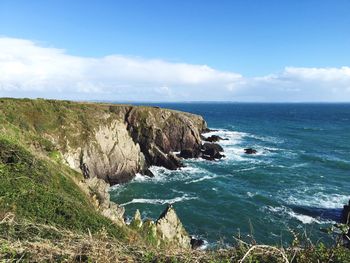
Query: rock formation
207, 151
114, 142
346, 214
98, 191
214, 138
250, 151
171, 230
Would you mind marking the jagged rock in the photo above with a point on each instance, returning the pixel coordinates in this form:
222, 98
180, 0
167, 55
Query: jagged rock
161, 131
98, 190
169, 161
346, 214
111, 155
206, 130
137, 220
212, 151
196, 243
171, 230
250, 151
214, 138
148, 173
189, 153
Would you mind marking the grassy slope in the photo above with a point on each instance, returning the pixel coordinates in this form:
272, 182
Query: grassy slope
43, 211
44, 192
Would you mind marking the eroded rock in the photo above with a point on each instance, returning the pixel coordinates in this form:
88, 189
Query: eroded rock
212, 151
98, 190
137, 220
171, 230
214, 138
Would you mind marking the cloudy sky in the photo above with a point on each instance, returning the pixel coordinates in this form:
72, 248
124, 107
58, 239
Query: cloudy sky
189, 51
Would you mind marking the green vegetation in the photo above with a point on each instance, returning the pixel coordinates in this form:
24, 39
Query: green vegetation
43, 192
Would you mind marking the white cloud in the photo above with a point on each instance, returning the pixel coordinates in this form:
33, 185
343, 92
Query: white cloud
33, 70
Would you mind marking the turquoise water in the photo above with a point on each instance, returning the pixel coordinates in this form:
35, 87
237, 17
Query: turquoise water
299, 179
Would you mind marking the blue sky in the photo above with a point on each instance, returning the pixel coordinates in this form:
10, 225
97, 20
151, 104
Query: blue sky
253, 40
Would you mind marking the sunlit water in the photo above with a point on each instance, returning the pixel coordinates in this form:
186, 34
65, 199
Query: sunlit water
299, 179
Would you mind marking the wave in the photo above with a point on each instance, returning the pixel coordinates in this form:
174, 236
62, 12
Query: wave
328, 160
234, 145
206, 177
185, 197
305, 219
162, 174
319, 200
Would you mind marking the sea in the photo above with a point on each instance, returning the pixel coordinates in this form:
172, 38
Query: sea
297, 182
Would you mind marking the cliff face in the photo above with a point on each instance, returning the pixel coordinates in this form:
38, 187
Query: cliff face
160, 132
111, 142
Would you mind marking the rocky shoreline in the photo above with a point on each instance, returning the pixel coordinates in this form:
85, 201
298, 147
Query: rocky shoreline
168, 227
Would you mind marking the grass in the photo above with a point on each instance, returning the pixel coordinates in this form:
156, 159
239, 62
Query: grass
42, 192
24, 241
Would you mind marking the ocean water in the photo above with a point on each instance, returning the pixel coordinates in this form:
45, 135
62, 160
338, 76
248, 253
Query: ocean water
299, 180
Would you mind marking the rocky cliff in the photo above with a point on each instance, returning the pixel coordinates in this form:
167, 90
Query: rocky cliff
108, 141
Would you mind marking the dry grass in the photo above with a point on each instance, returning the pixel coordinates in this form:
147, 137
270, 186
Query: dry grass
23, 241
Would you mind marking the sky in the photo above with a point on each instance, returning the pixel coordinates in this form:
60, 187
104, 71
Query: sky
183, 50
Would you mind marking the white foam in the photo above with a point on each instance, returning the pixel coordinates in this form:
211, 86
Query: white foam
234, 150
250, 194
185, 197
319, 199
305, 219
206, 177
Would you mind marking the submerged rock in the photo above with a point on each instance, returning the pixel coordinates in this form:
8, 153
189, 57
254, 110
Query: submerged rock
171, 230
250, 151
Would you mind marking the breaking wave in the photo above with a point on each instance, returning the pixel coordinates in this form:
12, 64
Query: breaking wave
185, 197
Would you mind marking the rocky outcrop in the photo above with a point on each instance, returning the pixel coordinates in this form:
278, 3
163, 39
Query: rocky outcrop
111, 154
250, 151
214, 138
160, 132
171, 230
130, 139
98, 191
207, 151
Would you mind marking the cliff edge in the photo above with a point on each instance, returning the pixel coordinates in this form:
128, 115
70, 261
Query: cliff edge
107, 141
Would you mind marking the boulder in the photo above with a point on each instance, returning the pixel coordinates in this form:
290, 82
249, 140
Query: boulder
212, 151
196, 243
169, 161
214, 138
148, 173
171, 230
250, 151
189, 153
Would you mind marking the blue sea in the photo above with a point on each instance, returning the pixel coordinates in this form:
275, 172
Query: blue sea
299, 180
